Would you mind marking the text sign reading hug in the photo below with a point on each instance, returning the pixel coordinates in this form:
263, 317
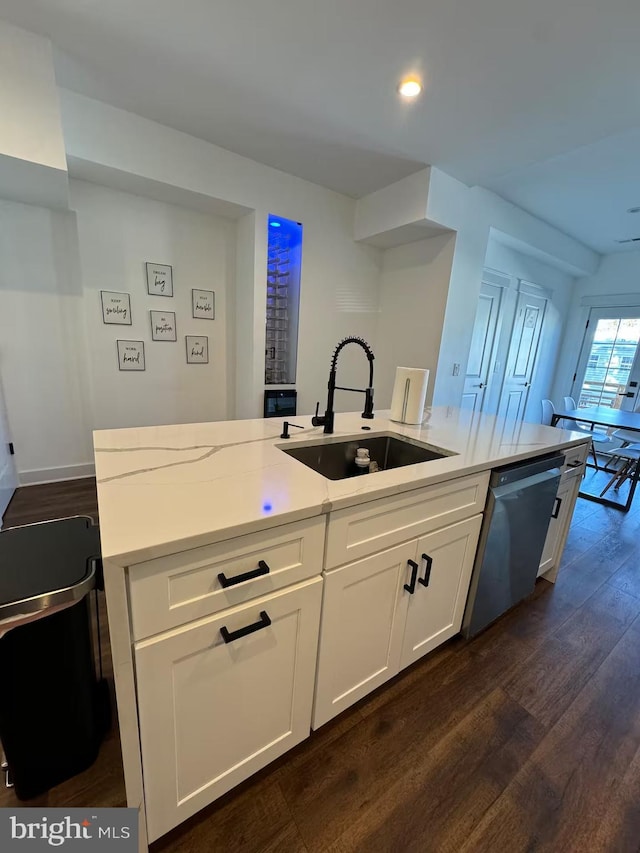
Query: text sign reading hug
69, 829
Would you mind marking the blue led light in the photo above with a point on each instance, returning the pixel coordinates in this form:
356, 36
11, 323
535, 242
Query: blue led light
274, 224
267, 507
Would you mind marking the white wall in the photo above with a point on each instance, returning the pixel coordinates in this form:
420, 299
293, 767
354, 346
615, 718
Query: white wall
473, 213
104, 246
560, 286
58, 361
616, 281
118, 233
340, 278
33, 167
42, 353
413, 298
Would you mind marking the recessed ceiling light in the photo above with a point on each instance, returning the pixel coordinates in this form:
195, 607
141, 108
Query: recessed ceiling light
634, 210
410, 88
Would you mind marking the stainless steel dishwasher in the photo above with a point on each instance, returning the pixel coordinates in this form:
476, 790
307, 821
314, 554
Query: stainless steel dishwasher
520, 505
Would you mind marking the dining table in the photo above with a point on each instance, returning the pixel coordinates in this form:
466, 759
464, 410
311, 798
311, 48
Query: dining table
604, 416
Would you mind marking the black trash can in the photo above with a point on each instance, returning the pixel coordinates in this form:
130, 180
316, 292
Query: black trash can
53, 708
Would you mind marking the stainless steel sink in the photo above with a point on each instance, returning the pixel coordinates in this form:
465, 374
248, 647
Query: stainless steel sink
335, 459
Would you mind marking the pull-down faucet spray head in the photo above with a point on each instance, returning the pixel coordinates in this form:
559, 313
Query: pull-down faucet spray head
327, 419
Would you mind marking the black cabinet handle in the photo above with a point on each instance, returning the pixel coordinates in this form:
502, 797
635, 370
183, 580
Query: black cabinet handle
556, 509
230, 636
427, 572
411, 586
263, 569
575, 464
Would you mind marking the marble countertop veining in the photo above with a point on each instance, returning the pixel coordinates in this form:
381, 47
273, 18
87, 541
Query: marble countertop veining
165, 489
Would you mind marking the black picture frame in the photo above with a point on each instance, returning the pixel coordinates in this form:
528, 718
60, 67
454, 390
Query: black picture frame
131, 355
115, 304
203, 304
159, 279
163, 326
199, 344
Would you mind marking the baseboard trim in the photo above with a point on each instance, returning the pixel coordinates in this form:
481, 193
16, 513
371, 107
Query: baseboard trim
56, 475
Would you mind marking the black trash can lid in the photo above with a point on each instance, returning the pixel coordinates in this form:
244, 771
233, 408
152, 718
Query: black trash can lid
40, 558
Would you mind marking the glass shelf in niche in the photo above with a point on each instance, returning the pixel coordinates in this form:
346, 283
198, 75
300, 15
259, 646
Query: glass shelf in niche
284, 256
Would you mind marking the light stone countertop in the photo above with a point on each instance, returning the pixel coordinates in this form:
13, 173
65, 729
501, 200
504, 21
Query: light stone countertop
165, 489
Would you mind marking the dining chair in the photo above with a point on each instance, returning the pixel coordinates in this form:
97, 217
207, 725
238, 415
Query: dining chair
548, 410
598, 439
626, 436
630, 457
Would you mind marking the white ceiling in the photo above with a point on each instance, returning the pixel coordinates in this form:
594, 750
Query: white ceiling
537, 100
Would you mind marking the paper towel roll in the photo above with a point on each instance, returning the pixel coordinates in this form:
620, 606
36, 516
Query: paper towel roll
409, 394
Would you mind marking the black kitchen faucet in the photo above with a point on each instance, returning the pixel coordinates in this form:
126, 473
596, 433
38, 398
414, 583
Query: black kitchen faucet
326, 420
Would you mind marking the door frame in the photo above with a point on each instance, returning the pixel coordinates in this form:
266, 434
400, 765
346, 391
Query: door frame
603, 312
8, 473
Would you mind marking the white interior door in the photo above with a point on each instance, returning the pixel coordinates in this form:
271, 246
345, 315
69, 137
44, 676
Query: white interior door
523, 350
608, 370
481, 354
8, 476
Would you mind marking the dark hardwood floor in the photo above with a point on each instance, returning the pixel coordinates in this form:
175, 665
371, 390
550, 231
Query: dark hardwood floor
525, 739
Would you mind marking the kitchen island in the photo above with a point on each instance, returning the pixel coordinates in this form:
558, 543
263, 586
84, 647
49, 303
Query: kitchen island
250, 598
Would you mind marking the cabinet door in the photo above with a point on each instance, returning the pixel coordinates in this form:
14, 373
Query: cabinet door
549, 553
559, 529
213, 712
436, 608
363, 613
523, 354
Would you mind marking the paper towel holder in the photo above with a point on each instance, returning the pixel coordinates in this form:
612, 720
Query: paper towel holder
409, 395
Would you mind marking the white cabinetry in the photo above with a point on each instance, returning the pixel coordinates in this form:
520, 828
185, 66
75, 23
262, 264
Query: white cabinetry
216, 705
435, 611
566, 497
383, 612
363, 618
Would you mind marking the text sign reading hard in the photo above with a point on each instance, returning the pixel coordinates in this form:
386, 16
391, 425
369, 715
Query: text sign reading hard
69, 829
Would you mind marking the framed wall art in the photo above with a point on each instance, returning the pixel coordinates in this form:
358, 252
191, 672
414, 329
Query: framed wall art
159, 280
131, 355
197, 349
163, 325
116, 308
203, 304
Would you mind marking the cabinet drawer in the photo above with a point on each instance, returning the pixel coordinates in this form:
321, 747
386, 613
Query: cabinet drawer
575, 457
218, 702
359, 531
170, 591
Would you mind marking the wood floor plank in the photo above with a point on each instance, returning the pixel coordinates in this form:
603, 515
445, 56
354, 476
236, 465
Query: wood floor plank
579, 580
52, 500
325, 792
562, 798
554, 676
621, 825
541, 711
445, 792
255, 819
581, 538
405, 681
627, 577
